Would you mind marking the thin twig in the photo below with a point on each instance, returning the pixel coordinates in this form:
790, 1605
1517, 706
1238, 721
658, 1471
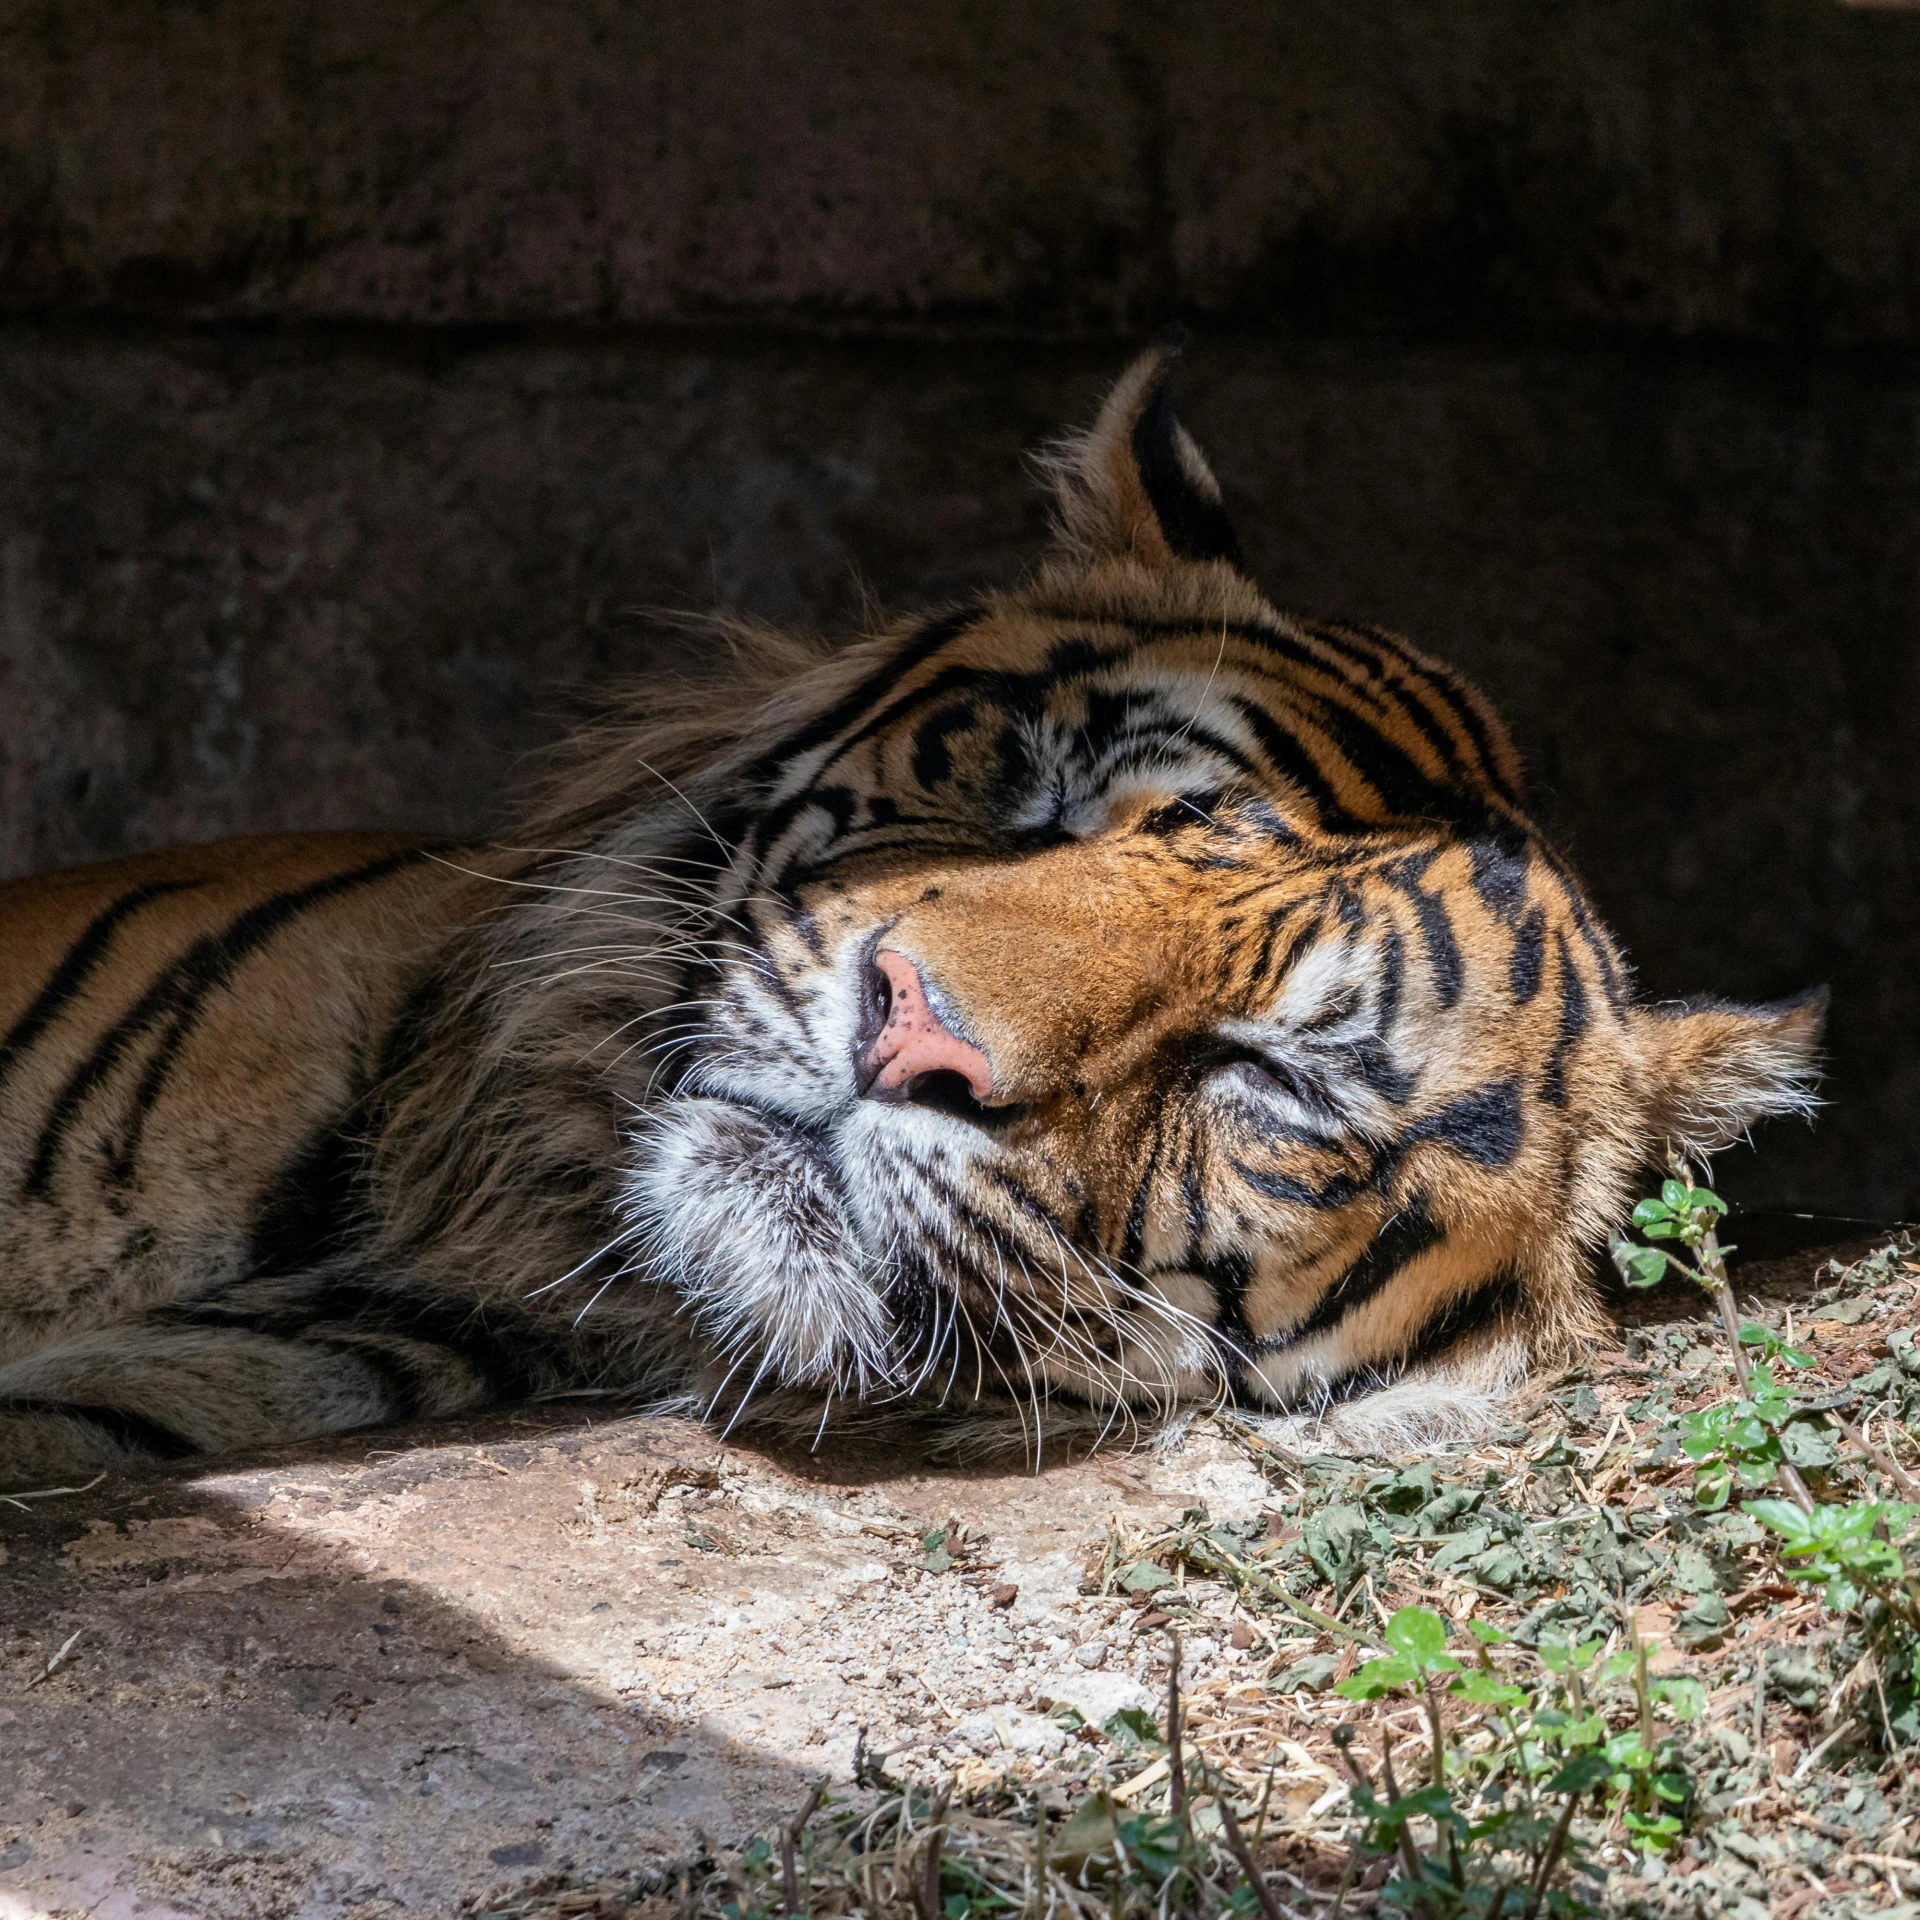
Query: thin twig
1176, 1769
926, 1890
1408, 1858
1884, 1461
1550, 1858
48, 1493
47, 1672
789, 1840
1244, 1854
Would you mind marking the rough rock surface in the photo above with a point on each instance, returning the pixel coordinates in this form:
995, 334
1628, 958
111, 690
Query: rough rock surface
1695, 169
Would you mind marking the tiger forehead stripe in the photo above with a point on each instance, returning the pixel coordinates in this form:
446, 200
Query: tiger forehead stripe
1339, 669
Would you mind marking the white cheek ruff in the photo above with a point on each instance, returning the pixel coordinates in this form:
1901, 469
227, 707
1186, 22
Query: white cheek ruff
745, 1219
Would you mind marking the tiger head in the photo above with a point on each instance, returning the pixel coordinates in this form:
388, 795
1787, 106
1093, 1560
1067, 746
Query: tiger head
1119, 988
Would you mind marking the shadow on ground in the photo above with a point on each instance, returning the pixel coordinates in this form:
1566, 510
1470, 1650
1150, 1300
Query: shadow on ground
407, 1672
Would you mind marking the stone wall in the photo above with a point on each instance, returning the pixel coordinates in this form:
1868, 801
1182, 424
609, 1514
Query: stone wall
1690, 167
373, 380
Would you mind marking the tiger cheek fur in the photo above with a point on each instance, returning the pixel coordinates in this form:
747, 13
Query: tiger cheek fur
1112, 992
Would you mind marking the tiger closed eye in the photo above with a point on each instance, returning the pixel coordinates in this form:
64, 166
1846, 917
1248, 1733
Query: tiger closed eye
1263, 1073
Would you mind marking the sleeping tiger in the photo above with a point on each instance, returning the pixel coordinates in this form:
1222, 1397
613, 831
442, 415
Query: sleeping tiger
1098, 996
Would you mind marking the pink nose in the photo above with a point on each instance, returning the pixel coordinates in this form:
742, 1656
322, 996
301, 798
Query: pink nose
914, 1039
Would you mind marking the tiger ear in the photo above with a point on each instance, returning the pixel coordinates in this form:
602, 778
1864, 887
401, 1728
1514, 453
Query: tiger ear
1716, 1069
1135, 483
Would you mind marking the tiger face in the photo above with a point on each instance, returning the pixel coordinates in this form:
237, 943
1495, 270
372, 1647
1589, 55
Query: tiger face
1120, 989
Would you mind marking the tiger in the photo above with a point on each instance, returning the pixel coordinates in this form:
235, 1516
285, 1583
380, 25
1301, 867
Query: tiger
1103, 996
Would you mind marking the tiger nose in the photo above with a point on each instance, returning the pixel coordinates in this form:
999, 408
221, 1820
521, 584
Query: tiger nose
913, 1039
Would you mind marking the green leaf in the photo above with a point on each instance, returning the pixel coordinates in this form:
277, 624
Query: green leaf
1314, 1674
1784, 1518
1378, 1677
1132, 1726
1087, 1833
1675, 1195
1558, 1656
1420, 1635
1656, 1830
1809, 1444
1646, 1267
1687, 1698
1488, 1634
1482, 1689
1583, 1771
1772, 1347
1144, 1576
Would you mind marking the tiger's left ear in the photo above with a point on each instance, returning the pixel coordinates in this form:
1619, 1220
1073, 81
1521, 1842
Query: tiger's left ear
1135, 484
1716, 1069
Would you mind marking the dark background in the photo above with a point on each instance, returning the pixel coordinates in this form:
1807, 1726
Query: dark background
370, 368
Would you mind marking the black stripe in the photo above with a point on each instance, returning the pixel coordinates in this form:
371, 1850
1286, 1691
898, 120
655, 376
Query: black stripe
1389, 675
1529, 951
176, 997
1009, 694
76, 968
1275, 920
1500, 869
1377, 1069
512, 1360
1500, 1299
1393, 969
1485, 1126
932, 759
1338, 1191
1436, 928
1405, 792
400, 1377
1400, 1241
1229, 1276
309, 1212
1575, 1018
1195, 527
848, 708
1021, 1195
1503, 1297
1610, 982
133, 1431
1290, 759
1454, 694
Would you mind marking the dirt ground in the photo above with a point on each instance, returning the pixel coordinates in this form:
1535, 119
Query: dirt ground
406, 1677
428, 1672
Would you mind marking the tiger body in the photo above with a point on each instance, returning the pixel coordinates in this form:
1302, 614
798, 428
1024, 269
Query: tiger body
1107, 993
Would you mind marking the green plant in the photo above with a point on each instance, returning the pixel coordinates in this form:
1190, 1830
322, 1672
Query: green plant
1855, 1551
1500, 1815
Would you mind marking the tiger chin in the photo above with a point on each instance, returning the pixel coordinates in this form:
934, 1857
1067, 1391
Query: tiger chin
1087, 1000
